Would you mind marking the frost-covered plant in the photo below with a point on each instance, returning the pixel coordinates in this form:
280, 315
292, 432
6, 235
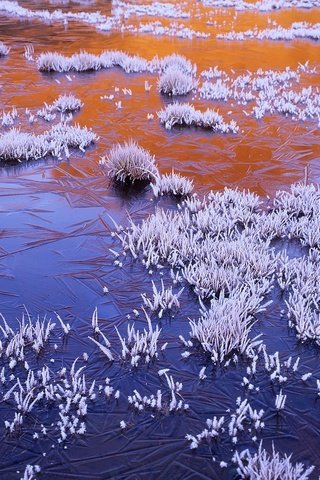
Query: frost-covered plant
67, 103
105, 346
31, 472
4, 50
8, 118
138, 345
215, 91
129, 161
263, 466
224, 328
161, 9
29, 335
296, 30
301, 200
280, 401
63, 136
175, 82
22, 146
186, 114
157, 28
163, 299
160, 402
172, 184
213, 429
261, 5
175, 61
299, 278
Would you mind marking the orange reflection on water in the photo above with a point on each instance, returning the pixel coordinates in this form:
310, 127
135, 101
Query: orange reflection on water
264, 156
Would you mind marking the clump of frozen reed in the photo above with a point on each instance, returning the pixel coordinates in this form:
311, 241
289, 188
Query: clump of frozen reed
261, 5
222, 265
277, 370
294, 214
224, 329
73, 394
4, 50
156, 28
67, 391
85, 61
215, 91
301, 200
216, 247
172, 184
31, 472
186, 114
92, 18
262, 465
67, 103
161, 402
29, 335
299, 279
129, 161
296, 30
271, 91
29, 52
175, 82
163, 300
280, 401
8, 118
156, 9
213, 429
175, 61
140, 346
22, 146
245, 416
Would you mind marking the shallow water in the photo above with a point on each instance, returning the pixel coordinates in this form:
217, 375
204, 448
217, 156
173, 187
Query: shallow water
55, 236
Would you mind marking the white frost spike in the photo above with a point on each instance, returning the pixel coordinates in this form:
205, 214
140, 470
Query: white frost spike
95, 320
296, 364
280, 401
65, 326
103, 349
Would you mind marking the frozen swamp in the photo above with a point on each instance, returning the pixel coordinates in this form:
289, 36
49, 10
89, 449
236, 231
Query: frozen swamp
160, 240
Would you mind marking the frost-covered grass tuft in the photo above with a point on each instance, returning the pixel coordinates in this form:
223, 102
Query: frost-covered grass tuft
269, 91
224, 328
186, 114
67, 103
163, 300
4, 50
175, 82
84, 61
262, 5
129, 161
297, 30
172, 184
179, 62
20, 146
263, 466
140, 345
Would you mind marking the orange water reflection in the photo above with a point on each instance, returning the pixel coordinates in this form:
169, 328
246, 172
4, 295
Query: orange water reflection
264, 156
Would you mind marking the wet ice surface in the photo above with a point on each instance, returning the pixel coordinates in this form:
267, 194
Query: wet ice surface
55, 240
